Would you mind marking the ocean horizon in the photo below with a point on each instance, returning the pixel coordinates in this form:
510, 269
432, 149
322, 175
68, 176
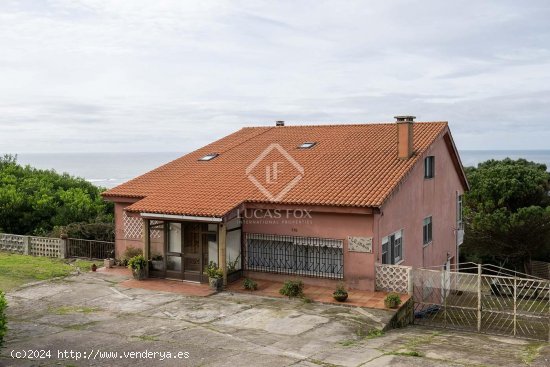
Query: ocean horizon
111, 169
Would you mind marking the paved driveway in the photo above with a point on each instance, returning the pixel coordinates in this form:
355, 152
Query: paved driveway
91, 315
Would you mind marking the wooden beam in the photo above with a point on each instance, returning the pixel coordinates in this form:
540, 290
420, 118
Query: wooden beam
222, 250
146, 245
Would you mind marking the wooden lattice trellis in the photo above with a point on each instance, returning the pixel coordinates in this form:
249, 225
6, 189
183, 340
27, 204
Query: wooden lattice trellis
133, 228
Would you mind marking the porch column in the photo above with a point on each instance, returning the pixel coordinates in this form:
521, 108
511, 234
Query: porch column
222, 251
146, 245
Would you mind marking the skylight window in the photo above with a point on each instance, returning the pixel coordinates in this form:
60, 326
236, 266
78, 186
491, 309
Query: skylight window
307, 145
209, 157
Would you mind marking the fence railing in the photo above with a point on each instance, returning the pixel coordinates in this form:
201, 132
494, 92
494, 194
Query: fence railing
13, 243
90, 249
482, 302
32, 245
56, 247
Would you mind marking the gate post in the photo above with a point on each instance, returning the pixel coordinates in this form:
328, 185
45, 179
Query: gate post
410, 285
515, 304
63, 247
26, 245
478, 297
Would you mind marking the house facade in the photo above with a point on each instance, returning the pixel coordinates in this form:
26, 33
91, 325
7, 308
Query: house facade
321, 203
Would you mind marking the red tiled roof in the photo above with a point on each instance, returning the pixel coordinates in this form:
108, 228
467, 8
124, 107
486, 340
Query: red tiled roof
350, 165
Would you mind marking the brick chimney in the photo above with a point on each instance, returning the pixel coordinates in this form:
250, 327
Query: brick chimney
404, 136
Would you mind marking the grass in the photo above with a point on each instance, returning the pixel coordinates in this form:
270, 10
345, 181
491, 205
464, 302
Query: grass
531, 352
412, 353
372, 333
16, 270
65, 310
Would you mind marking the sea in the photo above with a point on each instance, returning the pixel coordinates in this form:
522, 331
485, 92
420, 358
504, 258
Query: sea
111, 169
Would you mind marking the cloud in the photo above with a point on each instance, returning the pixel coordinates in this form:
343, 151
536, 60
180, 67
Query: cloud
98, 75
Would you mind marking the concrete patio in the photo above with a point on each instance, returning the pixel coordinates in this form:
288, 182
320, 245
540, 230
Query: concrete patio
93, 314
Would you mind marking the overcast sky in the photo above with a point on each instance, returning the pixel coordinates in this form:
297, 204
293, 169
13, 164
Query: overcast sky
106, 75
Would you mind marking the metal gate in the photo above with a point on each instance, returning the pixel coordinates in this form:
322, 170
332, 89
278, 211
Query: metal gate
489, 300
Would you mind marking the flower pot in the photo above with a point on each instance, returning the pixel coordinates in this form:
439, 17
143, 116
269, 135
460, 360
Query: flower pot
157, 265
340, 297
215, 283
390, 304
139, 274
108, 263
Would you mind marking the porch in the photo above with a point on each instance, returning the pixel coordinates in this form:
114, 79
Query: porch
321, 294
183, 249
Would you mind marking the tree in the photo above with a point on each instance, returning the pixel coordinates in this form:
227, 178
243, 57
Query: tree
507, 212
34, 201
3, 318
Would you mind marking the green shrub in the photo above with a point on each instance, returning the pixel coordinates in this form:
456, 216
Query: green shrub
250, 284
213, 271
137, 262
292, 288
3, 318
392, 300
232, 265
129, 253
34, 201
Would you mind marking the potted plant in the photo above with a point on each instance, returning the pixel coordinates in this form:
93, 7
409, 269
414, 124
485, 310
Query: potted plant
215, 276
392, 300
109, 262
292, 289
138, 264
340, 294
232, 272
157, 262
250, 284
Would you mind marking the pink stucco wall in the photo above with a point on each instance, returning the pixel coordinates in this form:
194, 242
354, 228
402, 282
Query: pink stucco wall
358, 267
122, 242
418, 198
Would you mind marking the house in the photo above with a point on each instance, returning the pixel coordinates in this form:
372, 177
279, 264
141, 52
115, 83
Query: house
323, 203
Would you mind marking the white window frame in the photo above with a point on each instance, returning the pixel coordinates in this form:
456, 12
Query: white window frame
430, 225
391, 248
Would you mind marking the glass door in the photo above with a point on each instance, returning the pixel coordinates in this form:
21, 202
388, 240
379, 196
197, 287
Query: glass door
189, 248
174, 264
192, 251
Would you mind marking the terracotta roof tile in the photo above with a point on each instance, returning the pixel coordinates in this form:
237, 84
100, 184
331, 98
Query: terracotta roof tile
351, 165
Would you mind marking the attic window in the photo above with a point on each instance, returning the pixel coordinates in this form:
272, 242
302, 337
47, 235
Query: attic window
307, 145
209, 157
